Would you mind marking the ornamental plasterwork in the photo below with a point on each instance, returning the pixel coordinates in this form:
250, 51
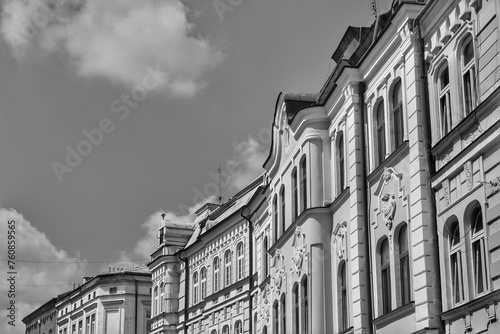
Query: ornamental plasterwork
446, 192
266, 303
279, 270
468, 175
340, 235
300, 252
388, 191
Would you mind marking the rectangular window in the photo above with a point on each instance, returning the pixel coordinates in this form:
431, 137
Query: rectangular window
456, 277
444, 102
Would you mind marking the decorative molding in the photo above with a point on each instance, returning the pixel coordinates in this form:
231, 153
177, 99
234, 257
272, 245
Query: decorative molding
266, 304
387, 199
300, 253
468, 175
279, 270
340, 234
446, 190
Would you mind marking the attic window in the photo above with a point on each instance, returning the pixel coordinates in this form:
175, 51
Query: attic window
113, 290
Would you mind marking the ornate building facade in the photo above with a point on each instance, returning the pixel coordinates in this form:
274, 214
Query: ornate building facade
378, 209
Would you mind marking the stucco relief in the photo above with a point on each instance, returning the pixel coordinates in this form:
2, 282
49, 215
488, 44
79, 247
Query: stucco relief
446, 192
266, 304
388, 209
279, 270
300, 252
390, 194
468, 175
340, 235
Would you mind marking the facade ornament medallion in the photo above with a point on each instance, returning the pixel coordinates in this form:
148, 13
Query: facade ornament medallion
388, 209
390, 193
300, 252
468, 175
340, 235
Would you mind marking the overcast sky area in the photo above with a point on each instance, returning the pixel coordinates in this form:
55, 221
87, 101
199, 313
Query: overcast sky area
152, 96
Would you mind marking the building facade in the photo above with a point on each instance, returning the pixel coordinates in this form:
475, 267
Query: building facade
112, 303
378, 209
43, 320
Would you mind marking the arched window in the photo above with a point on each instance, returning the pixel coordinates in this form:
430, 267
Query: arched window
469, 76
195, 288
162, 296
303, 183
264, 330
203, 283
225, 329
342, 295
276, 217
404, 265
238, 327
155, 297
275, 317
478, 251
444, 100
227, 267
241, 263
283, 210
295, 195
305, 305
340, 163
216, 274
283, 313
265, 259
381, 132
397, 114
385, 276
456, 262
296, 309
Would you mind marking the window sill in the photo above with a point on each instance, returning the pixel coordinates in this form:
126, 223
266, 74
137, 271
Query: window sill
462, 310
394, 315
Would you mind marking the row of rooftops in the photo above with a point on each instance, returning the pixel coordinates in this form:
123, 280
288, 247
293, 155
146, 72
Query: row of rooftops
88, 282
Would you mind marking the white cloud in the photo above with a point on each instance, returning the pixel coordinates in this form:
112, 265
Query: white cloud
33, 245
116, 39
246, 162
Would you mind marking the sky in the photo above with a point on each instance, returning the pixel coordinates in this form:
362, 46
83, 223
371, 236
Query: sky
112, 112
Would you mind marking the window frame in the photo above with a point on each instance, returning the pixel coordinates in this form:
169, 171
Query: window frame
342, 296
455, 259
469, 96
195, 287
404, 266
380, 130
305, 304
444, 95
228, 262
295, 195
282, 210
303, 183
385, 277
397, 114
216, 274
478, 238
240, 253
203, 282
341, 173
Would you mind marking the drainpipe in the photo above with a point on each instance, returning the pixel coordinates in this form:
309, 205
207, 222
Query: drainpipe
246, 215
135, 330
428, 144
366, 199
186, 293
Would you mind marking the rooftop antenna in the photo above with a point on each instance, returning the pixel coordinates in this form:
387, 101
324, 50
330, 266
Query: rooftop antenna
219, 198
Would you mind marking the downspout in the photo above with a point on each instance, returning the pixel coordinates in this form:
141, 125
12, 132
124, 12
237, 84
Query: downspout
366, 199
427, 145
245, 214
186, 292
135, 329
